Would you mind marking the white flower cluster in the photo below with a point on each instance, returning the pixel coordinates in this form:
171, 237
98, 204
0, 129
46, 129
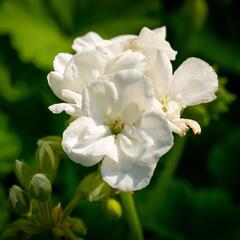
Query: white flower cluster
126, 102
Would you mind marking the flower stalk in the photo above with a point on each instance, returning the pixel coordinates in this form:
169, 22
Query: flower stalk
131, 215
70, 207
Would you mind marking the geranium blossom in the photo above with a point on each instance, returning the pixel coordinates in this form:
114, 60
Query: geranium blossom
118, 130
194, 82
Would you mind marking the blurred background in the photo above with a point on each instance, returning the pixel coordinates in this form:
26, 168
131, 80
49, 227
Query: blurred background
200, 195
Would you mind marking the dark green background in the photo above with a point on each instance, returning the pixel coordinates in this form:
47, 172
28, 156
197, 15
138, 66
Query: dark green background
203, 199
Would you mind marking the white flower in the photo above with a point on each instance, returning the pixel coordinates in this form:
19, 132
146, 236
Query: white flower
194, 82
117, 130
74, 72
147, 39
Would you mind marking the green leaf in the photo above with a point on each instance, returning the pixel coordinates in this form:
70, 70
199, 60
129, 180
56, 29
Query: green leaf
33, 33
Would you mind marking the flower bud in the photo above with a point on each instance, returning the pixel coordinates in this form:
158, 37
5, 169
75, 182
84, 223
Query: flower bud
112, 208
56, 213
47, 160
19, 201
40, 187
23, 172
93, 188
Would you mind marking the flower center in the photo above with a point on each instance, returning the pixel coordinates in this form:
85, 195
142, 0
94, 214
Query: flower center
116, 126
164, 100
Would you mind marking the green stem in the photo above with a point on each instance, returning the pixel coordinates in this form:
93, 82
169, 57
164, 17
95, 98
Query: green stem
165, 177
45, 213
69, 208
131, 215
69, 234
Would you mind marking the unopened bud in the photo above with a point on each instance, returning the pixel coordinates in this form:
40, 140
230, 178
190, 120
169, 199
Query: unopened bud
56, 213
112, 208
40, 187
23, 172
19, 201
47, 160
93, 188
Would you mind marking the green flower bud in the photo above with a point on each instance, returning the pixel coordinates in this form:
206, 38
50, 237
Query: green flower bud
47, 160
23, 172
56, 213
93, 188
19, 201
40, 187
112, 208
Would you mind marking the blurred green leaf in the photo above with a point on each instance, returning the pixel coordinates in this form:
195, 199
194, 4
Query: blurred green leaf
10, 146
194, 214
8, 91
35, 35
223, 161
220, 52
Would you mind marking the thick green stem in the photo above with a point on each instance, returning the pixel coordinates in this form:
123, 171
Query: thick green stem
165, 177
131, 215
69, 208
45, 213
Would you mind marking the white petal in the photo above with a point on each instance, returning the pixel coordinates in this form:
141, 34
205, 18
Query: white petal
133, 143
150, 39
131, 113
99, 101
57, 83
194, 82
132, 86
156, 127
71, 109
126, 60
158, 70
61, 61
72, 96
86, 142
88, 42
84, 68
161, 32
135, 178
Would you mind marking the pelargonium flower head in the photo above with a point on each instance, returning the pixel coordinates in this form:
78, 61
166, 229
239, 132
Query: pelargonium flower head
74, 72
118, 130
194, 82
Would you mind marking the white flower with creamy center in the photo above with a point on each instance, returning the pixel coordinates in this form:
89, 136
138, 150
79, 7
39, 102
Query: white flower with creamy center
147, 39
118, 130
74, 72
194, 82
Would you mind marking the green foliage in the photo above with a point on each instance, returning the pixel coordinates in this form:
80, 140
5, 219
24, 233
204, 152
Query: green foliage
7, 138
223, 163
194, 214
42, 38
